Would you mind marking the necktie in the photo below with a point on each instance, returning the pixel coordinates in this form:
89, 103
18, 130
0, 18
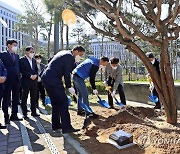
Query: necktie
13, 57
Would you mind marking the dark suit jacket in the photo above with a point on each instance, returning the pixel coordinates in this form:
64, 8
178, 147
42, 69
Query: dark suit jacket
60, 66
3, 72
156, 65
27, 71
13, 73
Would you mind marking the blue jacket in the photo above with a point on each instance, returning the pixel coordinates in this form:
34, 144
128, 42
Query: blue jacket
3, 72
60, 66
83, 69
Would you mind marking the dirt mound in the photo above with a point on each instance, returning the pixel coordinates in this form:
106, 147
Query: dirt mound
151, 133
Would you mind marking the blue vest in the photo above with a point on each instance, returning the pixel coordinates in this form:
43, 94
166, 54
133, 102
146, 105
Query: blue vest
83, 69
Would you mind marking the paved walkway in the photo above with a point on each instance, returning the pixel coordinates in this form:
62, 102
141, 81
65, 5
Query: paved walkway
35, 135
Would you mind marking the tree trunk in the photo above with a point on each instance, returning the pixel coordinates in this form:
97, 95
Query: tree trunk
163, 84
61, 35
67, 37
56, 38
168, 88
49, 37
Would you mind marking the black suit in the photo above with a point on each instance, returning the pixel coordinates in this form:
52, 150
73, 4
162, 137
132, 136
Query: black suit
3, 73
156, 65
28, 85
12, 83
40, 87
60, 66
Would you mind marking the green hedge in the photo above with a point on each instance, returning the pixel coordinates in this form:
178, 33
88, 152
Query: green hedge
99, 86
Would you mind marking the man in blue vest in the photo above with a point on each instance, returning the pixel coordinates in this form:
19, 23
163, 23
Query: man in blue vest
60, 66
87, 69
3, 76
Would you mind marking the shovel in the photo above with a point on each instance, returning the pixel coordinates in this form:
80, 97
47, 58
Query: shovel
118, 103
153, 98
103, 103
87, 109
108, 88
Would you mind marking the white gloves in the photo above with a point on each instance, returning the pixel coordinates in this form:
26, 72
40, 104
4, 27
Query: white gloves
105, 83
71, 91
95, 91
113, 93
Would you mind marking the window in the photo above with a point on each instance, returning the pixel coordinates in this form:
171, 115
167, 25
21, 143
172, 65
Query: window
9, 32
2, 40
12, 24
6, 32
9, 23
2, 30
12, 34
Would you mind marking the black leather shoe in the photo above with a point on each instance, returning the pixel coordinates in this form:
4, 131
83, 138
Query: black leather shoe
157, 107
12, 118
35, 115
71, 130
81, 113
25, 116
2, 127
93, 115
57, 127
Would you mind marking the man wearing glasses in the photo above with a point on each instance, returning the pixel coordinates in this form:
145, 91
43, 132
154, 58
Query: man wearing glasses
29, 71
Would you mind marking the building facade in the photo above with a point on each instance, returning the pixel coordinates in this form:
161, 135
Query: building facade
9, 15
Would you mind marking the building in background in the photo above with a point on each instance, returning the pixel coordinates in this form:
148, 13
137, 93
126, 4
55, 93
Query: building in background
9, 15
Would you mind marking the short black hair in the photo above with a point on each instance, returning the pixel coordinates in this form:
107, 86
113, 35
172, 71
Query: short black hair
79, 48
150, 55
114, 60
37, 56
11, 41
28, 48
104, 59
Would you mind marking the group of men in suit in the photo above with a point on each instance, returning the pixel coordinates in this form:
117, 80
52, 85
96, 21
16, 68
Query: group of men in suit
16, 72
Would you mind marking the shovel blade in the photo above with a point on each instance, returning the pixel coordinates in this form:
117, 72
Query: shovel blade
153, 98
119, 104
85, 107
103, 103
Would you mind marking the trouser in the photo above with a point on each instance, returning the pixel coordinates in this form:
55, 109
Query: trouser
41, 91
59, 102
120, 91
20, 93
1, 94
82, 91
156, 94
74, 98
33, 98
11, 86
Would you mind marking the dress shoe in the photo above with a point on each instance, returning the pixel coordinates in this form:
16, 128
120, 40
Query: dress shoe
35, 115
57, 127
2, 127
157, 107
25, 116
93, 115
71, 130
81, 113
15, 118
